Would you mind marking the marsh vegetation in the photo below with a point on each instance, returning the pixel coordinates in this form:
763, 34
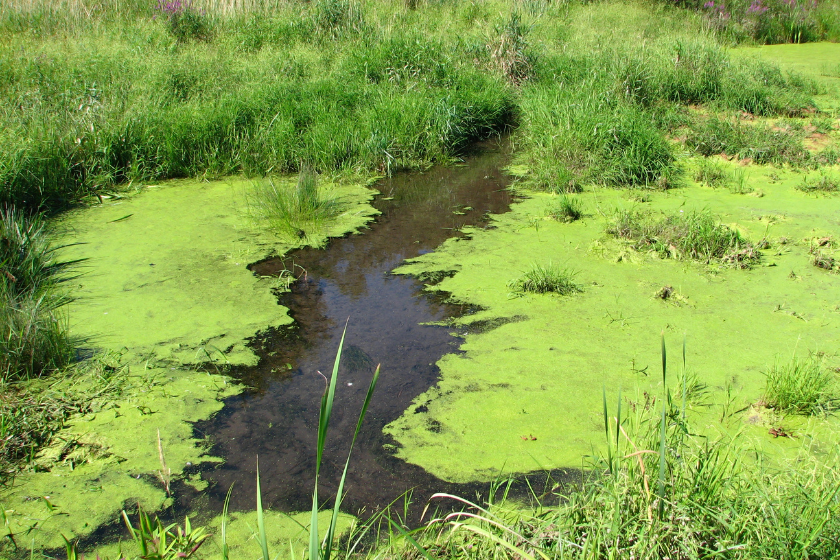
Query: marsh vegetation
99, 99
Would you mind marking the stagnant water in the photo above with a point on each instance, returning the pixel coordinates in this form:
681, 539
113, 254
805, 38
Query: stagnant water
350, 279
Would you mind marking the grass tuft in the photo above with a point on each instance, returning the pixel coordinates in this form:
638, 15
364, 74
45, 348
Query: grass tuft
694, 235
826, 184
566, 209
34, 339
543, 279
801, 385
294, 211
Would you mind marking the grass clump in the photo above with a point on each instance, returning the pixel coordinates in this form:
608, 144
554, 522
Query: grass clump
33, 332
694, 235
825, 184
295, 211
801, 385
566, 209
544, 279
711, 173
759, 143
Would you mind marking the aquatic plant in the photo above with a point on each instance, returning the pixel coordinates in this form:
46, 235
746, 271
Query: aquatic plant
566, 209
294, 211
695, 235
801, 385
711, 173
33, 331
825, 184
543, 279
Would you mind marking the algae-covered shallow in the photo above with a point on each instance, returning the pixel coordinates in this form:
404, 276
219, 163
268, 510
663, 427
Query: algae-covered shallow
165, 285
527, 395
167, 274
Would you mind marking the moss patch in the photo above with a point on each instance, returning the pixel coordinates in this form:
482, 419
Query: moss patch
527, 395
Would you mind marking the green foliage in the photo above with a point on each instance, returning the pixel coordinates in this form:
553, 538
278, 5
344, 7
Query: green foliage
295, 211
566, 209
801, 385
543, 279
711, 173
826, 184
33, 331
158, 542
761, 144
339, 18
695, 235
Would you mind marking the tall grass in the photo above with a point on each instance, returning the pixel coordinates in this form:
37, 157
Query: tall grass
259, 87
801, 385
657, 491
33, 332
695, 235
295, 210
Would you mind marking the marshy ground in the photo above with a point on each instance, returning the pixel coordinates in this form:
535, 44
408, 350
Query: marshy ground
649, 181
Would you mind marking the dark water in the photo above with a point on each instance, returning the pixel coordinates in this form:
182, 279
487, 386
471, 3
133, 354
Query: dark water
350, 279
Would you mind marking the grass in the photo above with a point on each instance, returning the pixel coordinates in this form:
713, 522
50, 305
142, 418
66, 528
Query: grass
694, 235
826, 184
711, 173
566, 209
804, 386
295, 211
33, 332
544, 279
758, 143
99, 95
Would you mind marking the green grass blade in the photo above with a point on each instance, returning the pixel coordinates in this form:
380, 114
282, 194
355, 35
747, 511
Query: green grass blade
661, 489
225, 550
407, 536
323, 425
684, 374
607, 431
261, 518
331, 530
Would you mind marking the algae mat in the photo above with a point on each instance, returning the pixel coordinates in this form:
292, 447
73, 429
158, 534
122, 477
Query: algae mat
165, 284
527, 394
167, 276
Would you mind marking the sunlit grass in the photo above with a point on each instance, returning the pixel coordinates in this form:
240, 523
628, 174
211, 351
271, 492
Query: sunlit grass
296, 211
801, 385
543, 279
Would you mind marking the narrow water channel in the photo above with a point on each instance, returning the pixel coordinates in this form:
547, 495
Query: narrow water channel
350, 279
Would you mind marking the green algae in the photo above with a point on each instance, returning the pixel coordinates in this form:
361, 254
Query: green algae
527, 394
100, 462
166, 285
167, 275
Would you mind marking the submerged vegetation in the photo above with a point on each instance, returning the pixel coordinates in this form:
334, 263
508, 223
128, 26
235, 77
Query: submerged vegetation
695, 235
